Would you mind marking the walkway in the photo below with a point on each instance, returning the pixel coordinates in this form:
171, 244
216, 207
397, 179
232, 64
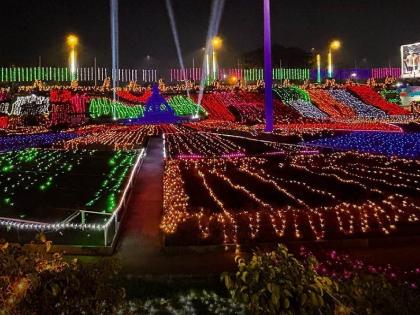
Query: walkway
140, 248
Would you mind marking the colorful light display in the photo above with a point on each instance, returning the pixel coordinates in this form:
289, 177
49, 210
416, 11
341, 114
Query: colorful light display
199, 144
19, 142
39, 188
329, 105
392, 96
300, 101
4, 122
26, 105
127, 96
185, 106
278, 74
214, 109
114, 138
361, 109
405, 145
104, 107
110, 189
237, 200
369, 96
343, 126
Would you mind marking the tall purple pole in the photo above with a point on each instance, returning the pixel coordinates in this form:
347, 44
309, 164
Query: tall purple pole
268, 69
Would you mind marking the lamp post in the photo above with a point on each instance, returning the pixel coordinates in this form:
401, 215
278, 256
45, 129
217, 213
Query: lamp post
334, 45
268, 69
216, 44
318, 68
72, 42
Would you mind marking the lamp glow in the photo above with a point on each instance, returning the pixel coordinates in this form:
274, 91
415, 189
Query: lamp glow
72, 42
334, 45
318, 66
217, 42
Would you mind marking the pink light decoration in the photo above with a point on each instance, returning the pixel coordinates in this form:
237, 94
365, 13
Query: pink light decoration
381, 73
3, 96
79, 103
357, 126
233, 155
189, 156
196, 73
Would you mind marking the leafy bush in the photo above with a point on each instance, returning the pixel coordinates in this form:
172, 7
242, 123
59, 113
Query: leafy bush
277, 283
34, 281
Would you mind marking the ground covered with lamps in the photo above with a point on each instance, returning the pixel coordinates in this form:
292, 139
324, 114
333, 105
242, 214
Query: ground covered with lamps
338, 177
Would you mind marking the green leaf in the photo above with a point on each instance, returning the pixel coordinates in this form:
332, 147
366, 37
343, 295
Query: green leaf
286, 303
228, 281
304, 299
314, 299
244, 276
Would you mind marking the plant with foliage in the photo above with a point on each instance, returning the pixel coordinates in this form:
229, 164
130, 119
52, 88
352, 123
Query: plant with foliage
35, 281
370, 289
277, 283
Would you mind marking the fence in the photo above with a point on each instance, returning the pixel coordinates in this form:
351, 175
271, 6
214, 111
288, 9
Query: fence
88, 74
91, 74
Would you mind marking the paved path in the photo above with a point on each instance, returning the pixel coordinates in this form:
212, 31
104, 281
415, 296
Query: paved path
141, 243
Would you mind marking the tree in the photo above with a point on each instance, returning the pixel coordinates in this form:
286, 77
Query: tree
290, 57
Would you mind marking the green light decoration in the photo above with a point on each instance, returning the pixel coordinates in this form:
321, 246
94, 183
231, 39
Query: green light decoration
31, 169
104, 107
185, 106
278, 74
28, 74
392, 96
111, 186
292, 93
31, 172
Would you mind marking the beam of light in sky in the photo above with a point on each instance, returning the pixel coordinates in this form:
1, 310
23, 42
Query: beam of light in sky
176, 40
214, 23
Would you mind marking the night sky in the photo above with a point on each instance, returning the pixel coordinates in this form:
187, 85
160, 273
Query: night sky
371, 30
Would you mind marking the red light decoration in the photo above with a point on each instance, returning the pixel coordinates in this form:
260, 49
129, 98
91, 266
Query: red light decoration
345, 126
4, 122
214, 108
330, 105
370, 96
127, 96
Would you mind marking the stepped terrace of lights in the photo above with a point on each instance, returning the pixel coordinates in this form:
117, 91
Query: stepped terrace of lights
339, 164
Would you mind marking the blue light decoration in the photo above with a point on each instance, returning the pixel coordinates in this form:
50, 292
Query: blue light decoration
405, 145
157, 110
362, 109
307, 109
300, 101
19, 142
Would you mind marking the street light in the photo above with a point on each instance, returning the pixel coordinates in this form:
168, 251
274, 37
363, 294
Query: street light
72, 42
318, 68
216, 43
334, 45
